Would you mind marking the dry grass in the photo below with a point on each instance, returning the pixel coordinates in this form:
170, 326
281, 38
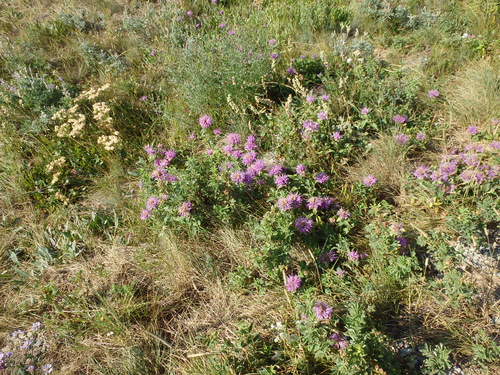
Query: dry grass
387, 162
477, 87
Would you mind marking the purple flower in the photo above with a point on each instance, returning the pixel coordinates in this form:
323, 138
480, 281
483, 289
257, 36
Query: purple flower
170, 155
237, 154
189, 13
420, 136
403, 242
249, 158
205, 121
209, 152
400, 119
281, 180
231, 32
294, 200
272, 42
47, 369
322, 178
337, 136
365, 110
283, 204
340, 273
313, 203
433, 94
149, 150
421, 172
27, 344
369, 180
192, 136
143, 98
250, 144
340, 342
309, 126
222, 25
184, 209
353, 255
152, 203
152, 53
495, 145
401, 139
275, 170
258, 166
274, 55
36, 326
238, 177
322, 311
472, 130
233, 138
291, 70
343, 214
292, 283
304, 225
301, 169
322, 116
145, 214
310, 99
217, 131
30, 368
325, 98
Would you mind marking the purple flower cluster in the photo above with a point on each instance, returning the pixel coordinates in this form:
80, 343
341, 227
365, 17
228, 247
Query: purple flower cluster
205, 121
303, 225
320, 203
184, 209
369, 180
401, 139
339, 341
433, 94
309, 127
301, 169
4, 357
400, 119
322, 177
322, 311
292, 283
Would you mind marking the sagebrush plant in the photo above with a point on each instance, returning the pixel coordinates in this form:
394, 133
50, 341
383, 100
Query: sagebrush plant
241, 186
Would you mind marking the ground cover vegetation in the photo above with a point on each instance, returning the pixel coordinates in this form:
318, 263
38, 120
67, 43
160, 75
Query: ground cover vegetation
249, 187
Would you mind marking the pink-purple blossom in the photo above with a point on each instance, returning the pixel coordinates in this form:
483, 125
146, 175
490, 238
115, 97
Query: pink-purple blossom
401, 139
337, 136
301, 169
369, 180
322, 177
293, 283
339, 341
233, 138
322, 311
322, 116
400, 119
472, 130
205, 121
433, 94
365, 110
304, 225
281, 180
185, 209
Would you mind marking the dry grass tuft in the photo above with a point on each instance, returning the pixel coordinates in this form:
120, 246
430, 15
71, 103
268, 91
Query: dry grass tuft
477, 87
387, 162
